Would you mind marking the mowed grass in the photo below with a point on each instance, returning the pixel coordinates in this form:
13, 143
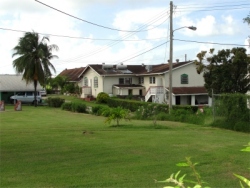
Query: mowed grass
48, 147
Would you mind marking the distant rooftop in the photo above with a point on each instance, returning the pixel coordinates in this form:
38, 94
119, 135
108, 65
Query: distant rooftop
72, 74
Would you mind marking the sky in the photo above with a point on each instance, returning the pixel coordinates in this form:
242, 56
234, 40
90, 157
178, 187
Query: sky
122, 31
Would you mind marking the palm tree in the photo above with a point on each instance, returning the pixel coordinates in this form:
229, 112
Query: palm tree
33, 60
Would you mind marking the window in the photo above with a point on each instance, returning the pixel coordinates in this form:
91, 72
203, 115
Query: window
95, 82
121, 80
85, 81
128, 80
29, 93
125, 80
152, 80
21, 94
184, 79
141, 80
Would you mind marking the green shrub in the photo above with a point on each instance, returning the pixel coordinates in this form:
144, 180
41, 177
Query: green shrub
105, 111
102, 97
78, 107
67, 106
162, 116
186, 107
241, 126
132, 105
96, 110
55, 102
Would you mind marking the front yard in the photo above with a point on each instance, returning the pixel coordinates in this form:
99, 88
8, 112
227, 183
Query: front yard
49, 147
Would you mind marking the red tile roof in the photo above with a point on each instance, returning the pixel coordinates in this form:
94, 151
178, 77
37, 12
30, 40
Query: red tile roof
189, 90
72, 74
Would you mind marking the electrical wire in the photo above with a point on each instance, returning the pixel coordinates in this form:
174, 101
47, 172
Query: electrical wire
94, 52
84, 38
225, 6
208, 10
98, 25
210, 42
225, 2
144, 52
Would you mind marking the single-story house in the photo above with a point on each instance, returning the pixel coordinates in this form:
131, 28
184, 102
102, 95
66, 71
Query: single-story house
12, 84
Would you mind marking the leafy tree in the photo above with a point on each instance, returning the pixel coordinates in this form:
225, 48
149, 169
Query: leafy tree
59, 82
33, 59
247, 19
226, 71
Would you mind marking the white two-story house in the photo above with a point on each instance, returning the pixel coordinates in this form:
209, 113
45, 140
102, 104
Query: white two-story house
149, 82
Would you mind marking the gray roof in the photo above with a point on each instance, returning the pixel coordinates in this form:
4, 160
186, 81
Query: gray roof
10, 82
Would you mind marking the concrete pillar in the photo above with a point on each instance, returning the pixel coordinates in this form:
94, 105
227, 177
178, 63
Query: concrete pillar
192, 100
173, 100
209, 101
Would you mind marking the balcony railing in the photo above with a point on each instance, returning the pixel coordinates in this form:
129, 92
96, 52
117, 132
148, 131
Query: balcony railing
154, 90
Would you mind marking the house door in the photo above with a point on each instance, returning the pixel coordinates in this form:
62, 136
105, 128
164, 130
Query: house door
178, 100
130, 92
140, 92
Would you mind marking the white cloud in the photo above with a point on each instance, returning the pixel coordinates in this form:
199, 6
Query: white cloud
131, 19
210, 26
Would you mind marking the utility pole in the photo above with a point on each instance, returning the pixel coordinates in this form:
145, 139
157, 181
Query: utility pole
170, 58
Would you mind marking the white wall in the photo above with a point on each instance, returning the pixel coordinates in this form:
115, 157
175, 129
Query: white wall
194, 79
90, 74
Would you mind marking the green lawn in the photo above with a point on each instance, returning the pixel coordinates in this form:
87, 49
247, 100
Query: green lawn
48, 147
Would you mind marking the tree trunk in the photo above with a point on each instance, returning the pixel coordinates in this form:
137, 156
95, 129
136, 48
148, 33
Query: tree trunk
35, 93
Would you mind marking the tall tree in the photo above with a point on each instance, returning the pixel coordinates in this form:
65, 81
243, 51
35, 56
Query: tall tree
247, 19
225, 72
33, 59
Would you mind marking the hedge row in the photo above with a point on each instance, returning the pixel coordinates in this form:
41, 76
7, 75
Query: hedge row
135, 105
74, 107
55, 102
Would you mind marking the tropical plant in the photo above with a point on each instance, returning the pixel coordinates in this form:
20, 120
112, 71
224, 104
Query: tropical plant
116, 114
33, 59
180, 182
242, 178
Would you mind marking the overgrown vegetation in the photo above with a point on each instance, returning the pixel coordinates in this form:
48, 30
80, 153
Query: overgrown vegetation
231, 112
55, 102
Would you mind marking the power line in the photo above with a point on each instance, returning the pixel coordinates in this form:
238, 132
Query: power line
85, 38
144, 52
210, 42
213, 9
98, 25
109, 45
226, 2
225, 6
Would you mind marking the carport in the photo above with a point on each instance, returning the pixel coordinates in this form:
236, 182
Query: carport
10, 84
